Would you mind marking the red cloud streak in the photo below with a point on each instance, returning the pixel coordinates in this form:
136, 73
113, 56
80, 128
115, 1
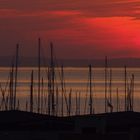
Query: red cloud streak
91, 31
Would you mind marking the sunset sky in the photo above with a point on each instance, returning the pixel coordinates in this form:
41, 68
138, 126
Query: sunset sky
78, 28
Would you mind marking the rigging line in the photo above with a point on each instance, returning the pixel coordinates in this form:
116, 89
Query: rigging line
64, 90
56, 64
6, 85
5, 89
3, 96
63, 84
65, 97
62, 78
45, 61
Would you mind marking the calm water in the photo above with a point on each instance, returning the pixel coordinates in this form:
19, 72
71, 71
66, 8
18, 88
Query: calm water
76, 80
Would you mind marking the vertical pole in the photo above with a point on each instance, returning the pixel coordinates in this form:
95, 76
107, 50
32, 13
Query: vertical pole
31, 92
57, 101
133, 77
62, 85
45, 103
18, 106
79, 103
69, 112
76, 112
42, 94
49, 93
27, 106
11, 88
117, 100
125, 90
16, 72
52, 80
39, 45
106, 84
6, 103
90, 100
110, 89
132, 93
10, 97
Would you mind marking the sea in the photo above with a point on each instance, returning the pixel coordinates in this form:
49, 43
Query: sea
76, 88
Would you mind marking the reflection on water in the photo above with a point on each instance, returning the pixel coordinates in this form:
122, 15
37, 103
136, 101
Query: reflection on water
77, 80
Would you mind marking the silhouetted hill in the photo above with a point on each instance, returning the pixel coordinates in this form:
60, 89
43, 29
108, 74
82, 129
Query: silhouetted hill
21, 120
15, 125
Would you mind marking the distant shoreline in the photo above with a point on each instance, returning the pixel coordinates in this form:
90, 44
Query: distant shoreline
35, 66
33, 61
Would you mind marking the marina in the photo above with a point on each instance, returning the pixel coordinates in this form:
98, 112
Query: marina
57, 102
76, 79
69, 70
68, 103
57, 91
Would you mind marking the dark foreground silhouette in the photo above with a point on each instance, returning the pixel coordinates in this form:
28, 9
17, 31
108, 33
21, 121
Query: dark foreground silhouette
19, 125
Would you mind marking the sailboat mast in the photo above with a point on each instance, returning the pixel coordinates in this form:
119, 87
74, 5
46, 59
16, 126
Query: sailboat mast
69, 111
105, 84
42, 94
117, 100
62, 86
16, 72
49, 92
11, 88
31, 92
111, 89
90, 82
57, 101
76, 103
26, 106
64, 97
131, 96
79, 102
38, 105
133, 78
125, 80
52, 80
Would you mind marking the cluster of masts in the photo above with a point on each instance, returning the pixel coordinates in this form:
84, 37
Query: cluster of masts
128, 92
51, 102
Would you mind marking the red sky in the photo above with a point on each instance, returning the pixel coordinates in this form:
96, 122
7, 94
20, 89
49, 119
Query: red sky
78, 28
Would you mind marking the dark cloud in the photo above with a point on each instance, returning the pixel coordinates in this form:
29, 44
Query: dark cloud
97, 8
100, 8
